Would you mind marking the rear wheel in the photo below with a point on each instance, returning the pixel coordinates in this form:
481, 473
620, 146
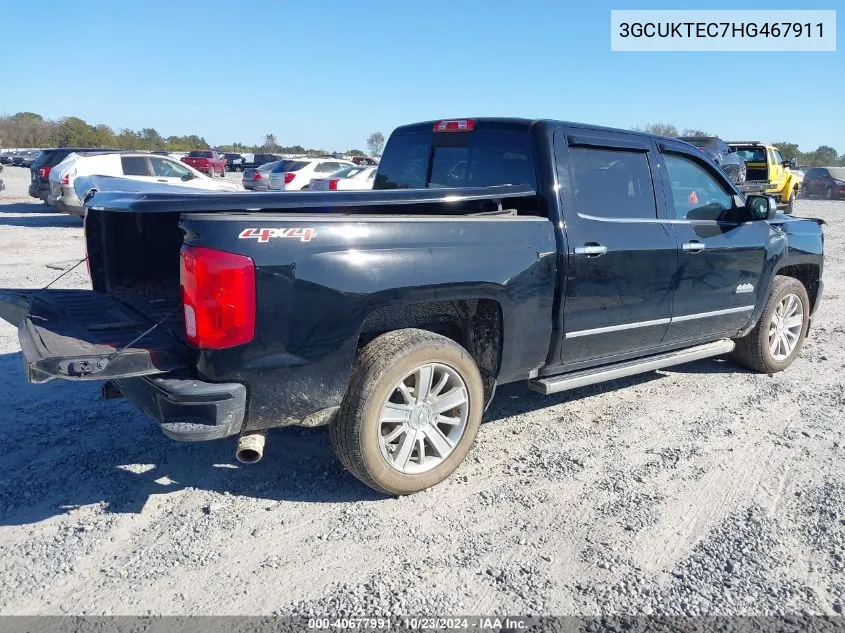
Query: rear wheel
828, 193
779, 334
411, 413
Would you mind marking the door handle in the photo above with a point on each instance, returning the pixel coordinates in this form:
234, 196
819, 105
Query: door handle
694, 247
162, 180
591, 250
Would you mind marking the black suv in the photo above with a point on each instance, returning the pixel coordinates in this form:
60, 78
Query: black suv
39, 186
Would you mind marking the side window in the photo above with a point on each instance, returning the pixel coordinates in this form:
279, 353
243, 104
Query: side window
164, 168
697, 194
612, 183
778, 157
134, 166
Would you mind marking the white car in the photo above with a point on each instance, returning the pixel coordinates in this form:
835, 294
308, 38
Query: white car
349, 179
150, 168
293, 175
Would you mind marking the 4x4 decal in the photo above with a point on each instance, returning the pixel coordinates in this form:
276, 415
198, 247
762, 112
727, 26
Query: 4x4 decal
264, 235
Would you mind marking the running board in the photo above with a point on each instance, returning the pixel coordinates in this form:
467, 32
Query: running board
564, 382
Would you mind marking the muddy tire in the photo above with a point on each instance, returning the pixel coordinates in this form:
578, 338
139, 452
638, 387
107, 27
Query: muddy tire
777, 338
411, 412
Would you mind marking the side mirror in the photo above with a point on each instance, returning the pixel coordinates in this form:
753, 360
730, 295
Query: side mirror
761, 207
789, 163
187, 177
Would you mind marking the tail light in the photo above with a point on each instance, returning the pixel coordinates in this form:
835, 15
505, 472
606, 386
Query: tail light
256, 176
333, 184
455, 125
218, 297
289, 176
44, 172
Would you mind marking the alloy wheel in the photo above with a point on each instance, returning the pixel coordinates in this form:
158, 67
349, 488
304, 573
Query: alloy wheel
423, 419
785, 327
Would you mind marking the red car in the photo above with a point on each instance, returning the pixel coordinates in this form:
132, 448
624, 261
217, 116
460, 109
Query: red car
208, 161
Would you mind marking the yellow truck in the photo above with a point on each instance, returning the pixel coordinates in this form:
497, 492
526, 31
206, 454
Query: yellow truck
768, 173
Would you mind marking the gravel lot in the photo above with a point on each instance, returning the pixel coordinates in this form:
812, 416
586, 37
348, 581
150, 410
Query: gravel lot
702, 489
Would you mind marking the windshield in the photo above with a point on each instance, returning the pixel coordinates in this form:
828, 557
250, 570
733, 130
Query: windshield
199, 154
483, 158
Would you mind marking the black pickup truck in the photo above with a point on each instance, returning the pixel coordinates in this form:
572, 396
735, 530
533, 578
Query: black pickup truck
490, 251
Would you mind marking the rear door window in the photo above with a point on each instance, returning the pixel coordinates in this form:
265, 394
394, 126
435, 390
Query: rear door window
482, 158
613, 183
134, 166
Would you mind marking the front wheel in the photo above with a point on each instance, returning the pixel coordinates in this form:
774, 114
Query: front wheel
411, 413
779, 334
828, 193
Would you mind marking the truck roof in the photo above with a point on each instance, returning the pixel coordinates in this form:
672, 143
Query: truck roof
517, 124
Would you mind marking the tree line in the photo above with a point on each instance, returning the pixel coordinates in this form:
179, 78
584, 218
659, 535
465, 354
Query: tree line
822, 156
28, 129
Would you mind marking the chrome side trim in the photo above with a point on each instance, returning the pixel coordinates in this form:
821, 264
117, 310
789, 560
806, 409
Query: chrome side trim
631, 326
617, 328
705, 315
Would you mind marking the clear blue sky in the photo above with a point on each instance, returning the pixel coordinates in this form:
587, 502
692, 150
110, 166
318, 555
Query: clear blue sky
326, 74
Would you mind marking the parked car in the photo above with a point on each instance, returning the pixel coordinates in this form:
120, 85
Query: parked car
6, 157
731, 163
142, 167
828, 182
234, 162
30, 157
347, 179
207, 161
2, 185
253, 161
293, 175
768, 169
364, 160
258, 179
17, 159
39, 186
394, 315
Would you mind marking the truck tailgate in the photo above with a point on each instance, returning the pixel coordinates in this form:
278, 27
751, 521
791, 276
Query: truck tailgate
86, 335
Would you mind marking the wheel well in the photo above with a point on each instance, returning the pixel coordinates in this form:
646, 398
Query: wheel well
475, 324
808, 275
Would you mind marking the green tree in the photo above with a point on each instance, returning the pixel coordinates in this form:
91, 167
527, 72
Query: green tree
688, 131
355, 152
788, 150
825, 156
74, 132
150, 139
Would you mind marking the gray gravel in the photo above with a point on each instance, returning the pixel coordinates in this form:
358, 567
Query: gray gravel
704, 489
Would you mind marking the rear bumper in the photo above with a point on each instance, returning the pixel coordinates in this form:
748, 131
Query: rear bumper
39, 190
188, 410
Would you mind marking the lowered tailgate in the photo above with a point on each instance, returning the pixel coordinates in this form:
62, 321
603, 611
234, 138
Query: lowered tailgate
86, 335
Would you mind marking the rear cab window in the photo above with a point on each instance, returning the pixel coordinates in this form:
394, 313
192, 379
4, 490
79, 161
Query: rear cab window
200, 154
483, 157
